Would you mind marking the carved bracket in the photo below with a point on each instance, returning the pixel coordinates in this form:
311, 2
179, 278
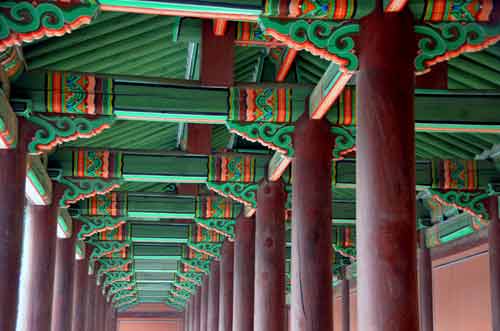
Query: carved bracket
193, 277
240, 192
121, 296
26, 21
119, 287
93, 225
222, 226
119, 276
112, 265
345, 141
103, 248
472, 202
442, 41
197, 265
334, 41
186, 286
55, 130
210, 249
79, 189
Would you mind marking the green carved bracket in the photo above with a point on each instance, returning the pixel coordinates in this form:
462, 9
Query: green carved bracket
279, 137
276, 136
126, 303
193, 277
442, 41
102, 248
245, 193
124, 294
79, 189
345, 141
208, 248
22, 22
180, 293
93, 225
176, 303
55, 130
119, 276
119, 287
110, 265
186, 286
198, 265
222, 226
472, 202
334, 41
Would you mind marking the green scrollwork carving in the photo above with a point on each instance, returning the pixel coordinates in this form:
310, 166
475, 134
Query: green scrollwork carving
119, 287
241, 192
470, 202
345, 141
193, 277
93, 225
110, 265
119, 276
126, 303
120, 296
180, 293
442, 41
102, 248
276, 136
55, 130
186, 286
28, 20
198, 265
328, 39
222, 226
79, 189
210, 249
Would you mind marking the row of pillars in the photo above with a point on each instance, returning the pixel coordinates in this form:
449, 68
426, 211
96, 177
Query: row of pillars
44, 287
387, 285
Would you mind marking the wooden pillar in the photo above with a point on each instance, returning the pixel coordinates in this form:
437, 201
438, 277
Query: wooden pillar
387, 281
12, 196
226, 287
217, 56
213, 297
190, 314
269, 301
62, 300
196, 311
204, 303
346, 302
244, 271
494, 253
90, 303
312, 289
37, 270
80, 293
425, 285
186, 318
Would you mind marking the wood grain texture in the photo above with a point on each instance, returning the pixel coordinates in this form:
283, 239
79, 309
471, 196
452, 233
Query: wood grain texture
244, 271
311, 299
270, 258
385, 140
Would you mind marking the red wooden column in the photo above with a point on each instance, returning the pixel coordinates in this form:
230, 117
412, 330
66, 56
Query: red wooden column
80, 293
62, 300
387, 281
37, 270
425, 286
213, 297
12, 196
226, 287
189, 322
312, 289
204, 303
494, 253
186, 318
346, 309
269, 313
90, 302
196, 311
244, 271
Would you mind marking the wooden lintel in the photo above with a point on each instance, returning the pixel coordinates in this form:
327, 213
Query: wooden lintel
151, 314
